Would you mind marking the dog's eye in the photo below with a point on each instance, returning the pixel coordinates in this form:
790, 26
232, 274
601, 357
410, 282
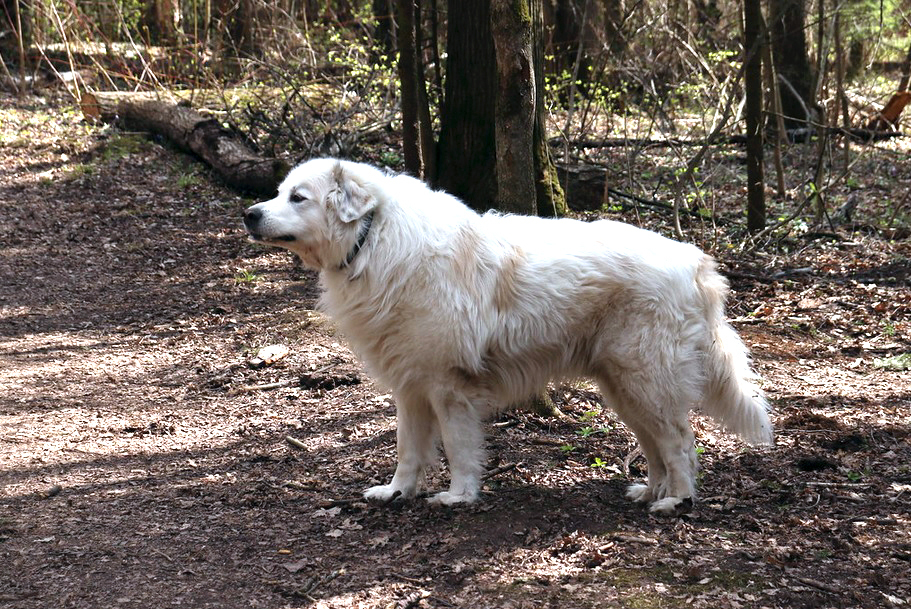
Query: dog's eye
296, 197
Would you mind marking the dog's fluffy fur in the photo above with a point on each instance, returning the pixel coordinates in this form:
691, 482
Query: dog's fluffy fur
463, 314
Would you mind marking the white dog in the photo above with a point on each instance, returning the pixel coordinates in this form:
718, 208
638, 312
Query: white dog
463, 314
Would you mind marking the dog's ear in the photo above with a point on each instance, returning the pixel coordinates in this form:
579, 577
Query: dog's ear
351, 200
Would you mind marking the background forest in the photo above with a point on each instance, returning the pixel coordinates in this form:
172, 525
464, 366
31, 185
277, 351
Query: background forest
180, 426
424, 87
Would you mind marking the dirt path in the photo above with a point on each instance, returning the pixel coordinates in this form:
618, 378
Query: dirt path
136, 470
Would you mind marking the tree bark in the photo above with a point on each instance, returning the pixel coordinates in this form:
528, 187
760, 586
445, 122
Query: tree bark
223, 150
467, 157
906, 72
161, 20
472, 151
417, 132
752, 45
425, 122
789, 48
570, 35
236, 33
408, 77
16, 35
511, 26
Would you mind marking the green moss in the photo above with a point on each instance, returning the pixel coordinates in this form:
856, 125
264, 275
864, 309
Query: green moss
551, 200
120, 146
523, 10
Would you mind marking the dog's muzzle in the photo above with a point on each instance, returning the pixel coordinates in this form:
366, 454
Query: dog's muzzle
252, 218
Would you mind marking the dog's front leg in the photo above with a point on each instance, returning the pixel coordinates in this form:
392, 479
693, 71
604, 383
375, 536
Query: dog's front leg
463, 436
415, 444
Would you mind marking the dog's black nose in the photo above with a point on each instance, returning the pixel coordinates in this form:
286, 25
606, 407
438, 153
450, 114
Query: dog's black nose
252, 217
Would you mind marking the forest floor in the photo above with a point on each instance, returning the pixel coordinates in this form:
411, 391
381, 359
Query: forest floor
140, 466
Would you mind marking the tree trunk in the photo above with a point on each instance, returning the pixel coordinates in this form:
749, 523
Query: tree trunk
408, 77
425, 122
548, 193
571, 33
467, 157
235, 37
752, 45
473, 149
774, 109
906, 72
494, 103
384, 33
789, 49
417, 134
223, 150
16, 35
161, 20
511, 26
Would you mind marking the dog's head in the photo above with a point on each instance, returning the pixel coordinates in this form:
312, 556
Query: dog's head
319, 213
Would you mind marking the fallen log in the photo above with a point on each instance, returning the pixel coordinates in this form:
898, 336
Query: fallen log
875, 132
626, 142
586, 190
223, 150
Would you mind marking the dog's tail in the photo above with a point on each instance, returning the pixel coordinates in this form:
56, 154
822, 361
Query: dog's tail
732, 396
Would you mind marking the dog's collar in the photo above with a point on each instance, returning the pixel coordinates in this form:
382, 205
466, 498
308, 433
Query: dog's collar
361, 238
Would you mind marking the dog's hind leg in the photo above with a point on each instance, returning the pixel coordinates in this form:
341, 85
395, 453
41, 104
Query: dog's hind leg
657, 471
463, 437
666, 439
416, 434
675, 441
668, 448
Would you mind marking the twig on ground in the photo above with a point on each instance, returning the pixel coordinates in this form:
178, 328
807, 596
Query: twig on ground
823, 235
748, 276
264, 386
295, 443
499, 470
159, 552
505, 424
839, 484
818, 584
325, 368
634, 539
315, 582
634, 454
405, 578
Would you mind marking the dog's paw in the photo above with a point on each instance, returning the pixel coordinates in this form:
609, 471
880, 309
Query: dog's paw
385, 493
671, 506
447, 498
639, 493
